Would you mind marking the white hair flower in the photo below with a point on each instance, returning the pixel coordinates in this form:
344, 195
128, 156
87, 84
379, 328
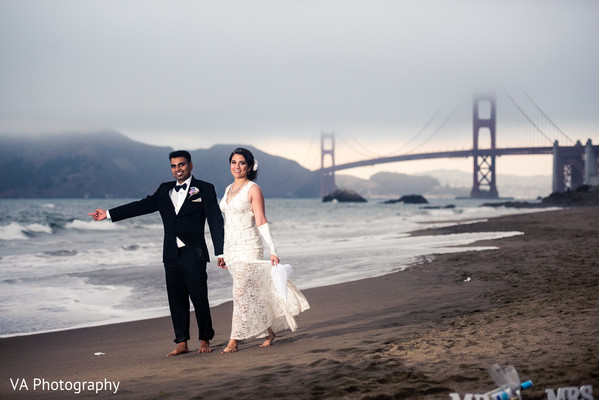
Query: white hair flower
255, 167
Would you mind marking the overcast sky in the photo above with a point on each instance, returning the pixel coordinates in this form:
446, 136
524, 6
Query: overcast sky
275, 74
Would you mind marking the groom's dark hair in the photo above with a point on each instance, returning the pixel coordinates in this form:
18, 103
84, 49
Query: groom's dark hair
180, 153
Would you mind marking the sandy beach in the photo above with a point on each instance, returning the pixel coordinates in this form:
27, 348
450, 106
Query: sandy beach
418, 334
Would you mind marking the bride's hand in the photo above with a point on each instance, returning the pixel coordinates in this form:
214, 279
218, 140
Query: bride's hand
274, 260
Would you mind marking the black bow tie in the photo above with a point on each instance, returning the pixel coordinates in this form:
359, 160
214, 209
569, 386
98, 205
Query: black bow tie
183, 186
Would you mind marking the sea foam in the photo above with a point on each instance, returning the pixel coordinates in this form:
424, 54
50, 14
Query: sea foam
17, 231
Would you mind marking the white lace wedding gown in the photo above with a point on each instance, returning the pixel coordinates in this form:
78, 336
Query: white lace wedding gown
257, 305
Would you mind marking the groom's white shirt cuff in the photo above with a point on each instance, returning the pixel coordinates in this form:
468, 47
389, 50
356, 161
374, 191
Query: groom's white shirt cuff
108, 214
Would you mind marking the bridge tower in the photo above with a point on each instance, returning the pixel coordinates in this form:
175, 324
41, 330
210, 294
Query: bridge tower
568, 167
591, 172
327, 152
484, 184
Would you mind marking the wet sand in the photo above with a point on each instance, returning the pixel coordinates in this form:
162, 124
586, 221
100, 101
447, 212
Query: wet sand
418, 334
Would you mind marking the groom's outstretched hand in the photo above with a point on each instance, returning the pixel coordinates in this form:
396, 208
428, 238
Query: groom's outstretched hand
98, 215
221, 263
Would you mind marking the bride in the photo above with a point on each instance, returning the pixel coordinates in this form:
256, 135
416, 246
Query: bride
259, 310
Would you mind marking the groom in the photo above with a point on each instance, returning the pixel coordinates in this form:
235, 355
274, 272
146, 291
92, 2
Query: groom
184, 206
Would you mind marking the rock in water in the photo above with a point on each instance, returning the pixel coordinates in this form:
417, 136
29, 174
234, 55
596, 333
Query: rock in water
409, 199
344, 196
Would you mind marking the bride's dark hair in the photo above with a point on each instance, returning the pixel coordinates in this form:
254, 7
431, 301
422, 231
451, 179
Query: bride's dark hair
249, 158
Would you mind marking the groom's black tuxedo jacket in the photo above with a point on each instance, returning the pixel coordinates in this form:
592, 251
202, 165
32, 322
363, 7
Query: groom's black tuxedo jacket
188, 225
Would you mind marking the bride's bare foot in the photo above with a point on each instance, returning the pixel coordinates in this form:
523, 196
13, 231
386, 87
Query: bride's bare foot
231, 347
269, 339
181, 349
204, 347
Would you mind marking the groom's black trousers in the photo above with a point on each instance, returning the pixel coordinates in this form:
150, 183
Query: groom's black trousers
186, 278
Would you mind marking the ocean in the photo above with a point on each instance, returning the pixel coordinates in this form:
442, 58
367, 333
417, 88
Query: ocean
60, 270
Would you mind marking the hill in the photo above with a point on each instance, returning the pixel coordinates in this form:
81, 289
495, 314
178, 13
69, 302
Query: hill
109, 164
388, 184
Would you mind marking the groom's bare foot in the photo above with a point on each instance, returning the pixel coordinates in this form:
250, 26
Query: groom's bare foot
269, 339
204, 347
181, 349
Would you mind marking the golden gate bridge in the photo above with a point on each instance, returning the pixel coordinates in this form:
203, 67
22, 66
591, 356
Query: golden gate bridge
574, 164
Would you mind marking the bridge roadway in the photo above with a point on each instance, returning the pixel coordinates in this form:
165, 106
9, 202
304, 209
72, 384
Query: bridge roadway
446, 154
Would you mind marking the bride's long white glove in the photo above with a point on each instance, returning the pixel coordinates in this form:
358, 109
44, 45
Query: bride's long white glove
265, 232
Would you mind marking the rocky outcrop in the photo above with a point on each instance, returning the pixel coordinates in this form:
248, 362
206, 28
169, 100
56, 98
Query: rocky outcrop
344, 196
583, 196
409, 199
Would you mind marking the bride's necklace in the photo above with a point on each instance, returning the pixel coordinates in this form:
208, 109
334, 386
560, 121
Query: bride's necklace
233, 190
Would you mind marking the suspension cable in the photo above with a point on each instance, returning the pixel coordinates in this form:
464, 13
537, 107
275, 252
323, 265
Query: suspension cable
436, 130
547, 117
528, 118
353, 148
419, 132
372, 153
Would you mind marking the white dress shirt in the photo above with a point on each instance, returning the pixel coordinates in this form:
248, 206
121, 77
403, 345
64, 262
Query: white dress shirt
178, 198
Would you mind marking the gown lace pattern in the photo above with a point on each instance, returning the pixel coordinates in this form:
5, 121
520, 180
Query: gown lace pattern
257, 305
